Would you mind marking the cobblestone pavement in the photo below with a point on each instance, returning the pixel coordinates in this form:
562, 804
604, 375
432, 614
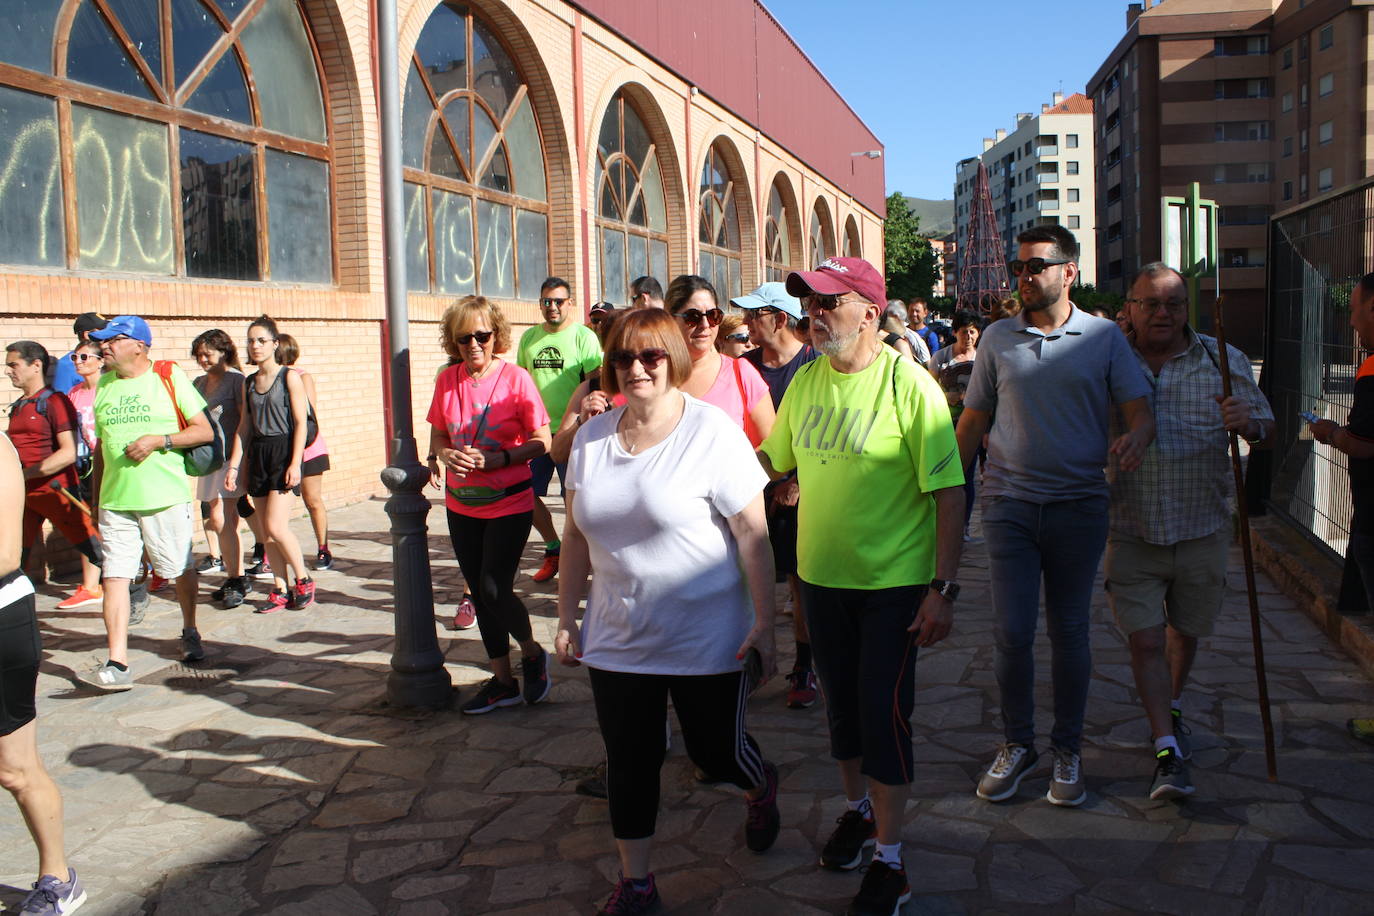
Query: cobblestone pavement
272, 780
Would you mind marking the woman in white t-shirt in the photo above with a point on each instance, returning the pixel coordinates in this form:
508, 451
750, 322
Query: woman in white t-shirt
665, 509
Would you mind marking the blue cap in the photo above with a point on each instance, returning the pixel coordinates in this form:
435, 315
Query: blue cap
771, 295
126, 326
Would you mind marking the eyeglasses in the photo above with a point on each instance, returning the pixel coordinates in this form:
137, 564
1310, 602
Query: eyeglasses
482, 337
1172, 306
649, 358
760, 312
1034, 265
692, 317
737, 338
261, 340
82, 357
557, 302
825, 302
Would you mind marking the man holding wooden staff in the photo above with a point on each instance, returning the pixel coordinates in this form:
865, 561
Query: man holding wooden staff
1171, 519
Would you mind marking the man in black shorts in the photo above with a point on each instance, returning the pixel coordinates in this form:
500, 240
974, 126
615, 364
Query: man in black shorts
771, 316
57, 889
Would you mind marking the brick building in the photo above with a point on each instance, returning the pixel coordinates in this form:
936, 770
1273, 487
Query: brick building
201, 162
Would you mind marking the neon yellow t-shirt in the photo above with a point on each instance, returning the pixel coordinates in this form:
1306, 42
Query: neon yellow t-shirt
126, 408
869, 449
558, 363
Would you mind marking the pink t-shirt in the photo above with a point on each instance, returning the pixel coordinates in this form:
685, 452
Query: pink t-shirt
83, 399
498, 411
737, 388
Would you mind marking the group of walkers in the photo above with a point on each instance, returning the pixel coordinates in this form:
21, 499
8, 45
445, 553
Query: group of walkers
698, 475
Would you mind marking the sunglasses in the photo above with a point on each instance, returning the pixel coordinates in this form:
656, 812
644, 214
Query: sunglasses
649, 358
482, 337
82, 357
1034, 265
824, 302
692, 317
557, 302
738, 338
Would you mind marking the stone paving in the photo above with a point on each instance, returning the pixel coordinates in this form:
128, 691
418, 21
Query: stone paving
274, 780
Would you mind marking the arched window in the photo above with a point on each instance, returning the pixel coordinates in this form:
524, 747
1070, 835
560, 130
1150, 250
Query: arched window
631, 214
822, 239
777, 235
853, 247
173, 137
477, 213
719, 229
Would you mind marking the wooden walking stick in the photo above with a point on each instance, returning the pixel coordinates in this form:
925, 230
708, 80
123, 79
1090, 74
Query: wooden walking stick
1256, 637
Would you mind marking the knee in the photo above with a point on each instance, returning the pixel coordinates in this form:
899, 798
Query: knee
1014, 636
1148, 641
14, 778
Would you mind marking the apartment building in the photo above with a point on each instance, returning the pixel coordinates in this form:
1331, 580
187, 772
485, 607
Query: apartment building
1040, 171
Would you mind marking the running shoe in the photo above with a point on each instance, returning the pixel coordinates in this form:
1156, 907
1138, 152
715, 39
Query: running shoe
762, 821
629, 900
537, 681
1066, 786
108, 678
465, 617
138, 602
82, 597
801, 689
302, 594
275, 602
51, 897
1171, 776
1182, 734
883, 891
1002, 779
210, 564
324, 559
156, 583
845, 848
493, 695
548, 570
233, 592
191, 649
259, 570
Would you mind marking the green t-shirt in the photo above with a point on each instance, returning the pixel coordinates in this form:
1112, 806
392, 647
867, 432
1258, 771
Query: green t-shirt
558, 362
126, 408
869, 449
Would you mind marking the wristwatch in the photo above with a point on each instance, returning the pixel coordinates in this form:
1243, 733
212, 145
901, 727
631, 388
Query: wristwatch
166, 443
945, 589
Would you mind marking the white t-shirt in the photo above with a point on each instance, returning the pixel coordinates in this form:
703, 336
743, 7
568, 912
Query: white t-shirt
668, 595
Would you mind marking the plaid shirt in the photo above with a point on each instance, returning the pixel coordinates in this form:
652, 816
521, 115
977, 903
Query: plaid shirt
1183, 490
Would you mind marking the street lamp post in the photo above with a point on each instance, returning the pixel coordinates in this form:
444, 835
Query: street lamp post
418, 677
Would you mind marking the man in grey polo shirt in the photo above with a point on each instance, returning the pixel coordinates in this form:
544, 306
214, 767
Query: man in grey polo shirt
1043, 387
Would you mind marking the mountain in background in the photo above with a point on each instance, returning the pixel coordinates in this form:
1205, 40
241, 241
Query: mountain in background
937, 216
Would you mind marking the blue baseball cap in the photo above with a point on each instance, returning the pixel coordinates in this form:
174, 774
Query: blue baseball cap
125, 326
771, 295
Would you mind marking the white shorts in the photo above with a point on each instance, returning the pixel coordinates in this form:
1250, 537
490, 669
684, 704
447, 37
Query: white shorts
211, 486
165, 533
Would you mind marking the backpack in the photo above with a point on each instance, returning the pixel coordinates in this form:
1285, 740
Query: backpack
84, 461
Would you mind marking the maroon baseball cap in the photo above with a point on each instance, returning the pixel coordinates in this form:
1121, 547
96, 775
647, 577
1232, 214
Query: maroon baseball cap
836, 276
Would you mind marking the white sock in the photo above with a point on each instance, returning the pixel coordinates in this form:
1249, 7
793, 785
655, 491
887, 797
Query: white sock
1168, 741
863, 806
892, 855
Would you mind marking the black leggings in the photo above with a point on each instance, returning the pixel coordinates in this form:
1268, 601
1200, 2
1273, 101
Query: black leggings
632, 710
488, 552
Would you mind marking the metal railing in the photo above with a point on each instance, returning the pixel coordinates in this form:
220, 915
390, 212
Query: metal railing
1317, 252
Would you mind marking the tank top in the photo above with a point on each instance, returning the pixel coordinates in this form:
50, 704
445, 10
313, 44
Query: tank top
271, 411
223, 403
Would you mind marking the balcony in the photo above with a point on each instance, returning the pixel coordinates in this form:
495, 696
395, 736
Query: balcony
1046, 177
1047, 151
1045, 206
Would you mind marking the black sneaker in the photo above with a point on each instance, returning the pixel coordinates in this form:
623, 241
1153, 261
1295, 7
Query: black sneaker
882, 893
233, 593
138, 602
492, 695
324, 559
845, 848
1182, 734
259, 570
537, 681
627, 900
210, 565
762, 822
1171, 776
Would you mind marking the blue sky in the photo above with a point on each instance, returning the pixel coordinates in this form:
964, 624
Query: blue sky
905, 67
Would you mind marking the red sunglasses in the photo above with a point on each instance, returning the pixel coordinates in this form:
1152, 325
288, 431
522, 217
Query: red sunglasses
649, 358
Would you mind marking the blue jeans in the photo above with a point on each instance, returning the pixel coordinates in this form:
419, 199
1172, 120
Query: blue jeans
1063, 541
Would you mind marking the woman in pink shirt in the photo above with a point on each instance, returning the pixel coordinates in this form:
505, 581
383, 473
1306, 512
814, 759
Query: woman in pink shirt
731, 384
487, 421
89, 365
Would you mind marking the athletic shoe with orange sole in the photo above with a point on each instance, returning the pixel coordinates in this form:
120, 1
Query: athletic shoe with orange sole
82, 597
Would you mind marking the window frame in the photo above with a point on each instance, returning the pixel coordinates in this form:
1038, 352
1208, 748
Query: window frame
623, 225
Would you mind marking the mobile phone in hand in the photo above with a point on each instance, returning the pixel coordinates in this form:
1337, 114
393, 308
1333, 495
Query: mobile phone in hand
1308, 416
753, 669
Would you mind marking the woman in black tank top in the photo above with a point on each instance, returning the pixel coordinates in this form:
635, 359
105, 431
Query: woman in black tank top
269, 446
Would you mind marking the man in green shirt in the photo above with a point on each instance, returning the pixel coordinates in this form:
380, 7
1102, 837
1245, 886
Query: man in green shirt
558, 354
143, 491
879, 538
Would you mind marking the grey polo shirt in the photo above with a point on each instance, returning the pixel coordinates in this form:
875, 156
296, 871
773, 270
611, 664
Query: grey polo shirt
1051, 395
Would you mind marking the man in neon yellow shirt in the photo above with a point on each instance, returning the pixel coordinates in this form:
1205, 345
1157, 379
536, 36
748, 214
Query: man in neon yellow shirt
558, 355
144, 493
879, 537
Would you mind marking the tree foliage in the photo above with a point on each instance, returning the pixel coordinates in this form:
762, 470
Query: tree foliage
912, 266
1088, 297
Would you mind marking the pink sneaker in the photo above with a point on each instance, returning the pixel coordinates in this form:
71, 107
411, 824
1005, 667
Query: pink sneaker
465, 617
275, 602
82, 597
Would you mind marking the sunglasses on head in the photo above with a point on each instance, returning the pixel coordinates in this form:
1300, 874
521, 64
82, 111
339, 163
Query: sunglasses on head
552, 301
649, 358
482, 337
1034, 265
693, 316
82, 357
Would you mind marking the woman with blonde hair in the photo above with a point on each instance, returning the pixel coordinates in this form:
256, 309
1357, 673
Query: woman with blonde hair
487, 421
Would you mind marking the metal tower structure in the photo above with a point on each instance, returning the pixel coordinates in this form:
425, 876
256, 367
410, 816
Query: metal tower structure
983, 271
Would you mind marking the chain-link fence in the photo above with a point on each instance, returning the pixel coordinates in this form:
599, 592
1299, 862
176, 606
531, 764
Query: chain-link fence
1316, 255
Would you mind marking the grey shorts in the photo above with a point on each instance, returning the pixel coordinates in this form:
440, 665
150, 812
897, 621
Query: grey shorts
1179, 584
165, 533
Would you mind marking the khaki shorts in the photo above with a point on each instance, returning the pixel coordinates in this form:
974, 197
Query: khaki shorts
1180, 584
165, 533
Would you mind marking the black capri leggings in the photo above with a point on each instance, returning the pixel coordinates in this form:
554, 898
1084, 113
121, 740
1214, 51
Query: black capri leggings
488, 552
632, 709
